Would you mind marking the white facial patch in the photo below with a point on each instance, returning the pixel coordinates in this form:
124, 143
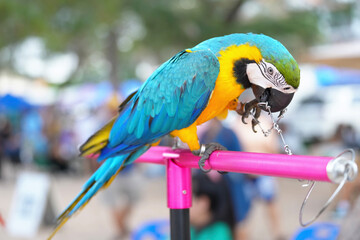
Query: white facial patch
266, 75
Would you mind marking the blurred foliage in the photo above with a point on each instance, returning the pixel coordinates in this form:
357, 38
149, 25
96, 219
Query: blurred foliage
122, 33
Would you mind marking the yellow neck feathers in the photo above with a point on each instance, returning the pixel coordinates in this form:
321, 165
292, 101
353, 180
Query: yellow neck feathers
230, 55
226, 88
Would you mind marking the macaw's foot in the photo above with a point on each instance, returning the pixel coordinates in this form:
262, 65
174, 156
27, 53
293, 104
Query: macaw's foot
205, 152
246, 109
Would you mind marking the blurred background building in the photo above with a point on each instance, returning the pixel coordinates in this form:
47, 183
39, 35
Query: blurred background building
66, 65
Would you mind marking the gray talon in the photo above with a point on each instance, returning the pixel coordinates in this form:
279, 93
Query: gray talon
202, 165
245, 111
243, 119
253, 124
209, 149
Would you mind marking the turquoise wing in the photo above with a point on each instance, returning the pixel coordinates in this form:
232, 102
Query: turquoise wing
172, 98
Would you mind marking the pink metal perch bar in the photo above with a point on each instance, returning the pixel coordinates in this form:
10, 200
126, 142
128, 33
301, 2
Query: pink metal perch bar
278, 165
179, 163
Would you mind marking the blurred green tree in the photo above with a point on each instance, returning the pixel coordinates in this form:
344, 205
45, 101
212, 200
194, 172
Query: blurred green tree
111, 37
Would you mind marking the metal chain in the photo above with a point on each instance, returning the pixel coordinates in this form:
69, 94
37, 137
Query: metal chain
275, 125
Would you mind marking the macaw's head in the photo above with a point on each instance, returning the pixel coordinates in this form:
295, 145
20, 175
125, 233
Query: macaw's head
264, 65
275, 78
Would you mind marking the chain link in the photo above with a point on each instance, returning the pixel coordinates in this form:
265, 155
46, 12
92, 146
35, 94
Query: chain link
275, 125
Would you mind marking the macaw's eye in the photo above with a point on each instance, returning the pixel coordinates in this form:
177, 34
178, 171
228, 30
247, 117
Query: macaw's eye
270, 70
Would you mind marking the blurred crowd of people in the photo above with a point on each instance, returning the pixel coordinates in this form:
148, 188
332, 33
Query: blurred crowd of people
32, 136
45, 137
48, 136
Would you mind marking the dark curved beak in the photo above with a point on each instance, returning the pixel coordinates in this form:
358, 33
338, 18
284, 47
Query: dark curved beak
276, 100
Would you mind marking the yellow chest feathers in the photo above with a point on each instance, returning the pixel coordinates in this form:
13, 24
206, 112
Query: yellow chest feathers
227, 89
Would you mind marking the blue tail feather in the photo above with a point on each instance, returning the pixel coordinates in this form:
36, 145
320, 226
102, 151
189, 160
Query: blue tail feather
99, 179
108, 169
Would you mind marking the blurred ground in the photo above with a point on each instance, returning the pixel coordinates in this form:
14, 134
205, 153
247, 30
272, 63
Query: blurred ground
94, 221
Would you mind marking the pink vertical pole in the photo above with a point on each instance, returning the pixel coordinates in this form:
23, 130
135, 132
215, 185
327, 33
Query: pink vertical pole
178, 185
179, 198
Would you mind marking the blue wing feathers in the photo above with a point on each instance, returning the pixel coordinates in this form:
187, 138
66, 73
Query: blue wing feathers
110, 151
157, 121
133, 123
141, 125
172, 98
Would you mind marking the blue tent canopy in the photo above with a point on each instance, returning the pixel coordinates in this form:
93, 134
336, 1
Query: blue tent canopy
329, 76
12, 103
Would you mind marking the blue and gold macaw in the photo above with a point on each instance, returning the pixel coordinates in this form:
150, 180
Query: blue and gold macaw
194, 86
